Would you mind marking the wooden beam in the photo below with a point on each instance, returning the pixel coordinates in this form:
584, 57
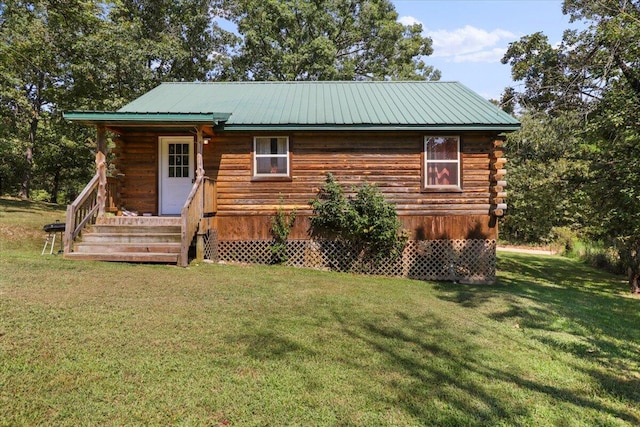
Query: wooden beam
101, 139
101, 168
199, 161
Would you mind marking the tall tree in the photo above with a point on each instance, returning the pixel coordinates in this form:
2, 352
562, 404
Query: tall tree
35, 35
595, 72
326, 40
547, 172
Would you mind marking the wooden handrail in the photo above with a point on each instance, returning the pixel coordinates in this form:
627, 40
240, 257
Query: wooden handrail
202, 201
190, 215
79, 213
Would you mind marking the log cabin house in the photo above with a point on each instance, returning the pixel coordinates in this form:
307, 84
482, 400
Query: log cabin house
199, 170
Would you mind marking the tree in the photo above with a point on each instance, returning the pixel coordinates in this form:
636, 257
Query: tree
99, 55
595, 72
326, 40
36, 36
547, 185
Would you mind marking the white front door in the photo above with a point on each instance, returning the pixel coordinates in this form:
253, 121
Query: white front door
176, 173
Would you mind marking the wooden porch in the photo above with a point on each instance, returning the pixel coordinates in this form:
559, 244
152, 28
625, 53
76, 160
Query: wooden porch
96, 229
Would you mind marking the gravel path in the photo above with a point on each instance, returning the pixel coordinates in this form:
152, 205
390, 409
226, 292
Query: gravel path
526, 250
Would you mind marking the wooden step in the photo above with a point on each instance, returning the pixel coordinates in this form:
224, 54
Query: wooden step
101, 247
139, 220
130, 239
132, 229
126, 257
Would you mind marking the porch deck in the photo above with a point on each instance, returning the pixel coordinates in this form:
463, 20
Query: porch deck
92, 233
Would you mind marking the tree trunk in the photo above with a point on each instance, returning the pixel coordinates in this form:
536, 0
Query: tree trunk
26, 178
33, 129
634, 281
56, 187
25, 186
632, 258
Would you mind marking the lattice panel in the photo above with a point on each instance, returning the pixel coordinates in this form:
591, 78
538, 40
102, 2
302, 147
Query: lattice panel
467, 260
211, 245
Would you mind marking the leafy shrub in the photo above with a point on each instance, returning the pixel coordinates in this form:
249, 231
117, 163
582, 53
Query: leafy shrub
281, 225
564, 238
366, 223
598, 254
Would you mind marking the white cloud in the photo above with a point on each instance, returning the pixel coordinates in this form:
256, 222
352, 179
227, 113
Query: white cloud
409, 20
466, 40
466, 44
492, 55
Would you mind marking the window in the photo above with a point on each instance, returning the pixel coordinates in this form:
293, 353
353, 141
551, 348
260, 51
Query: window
442, 162
271, 156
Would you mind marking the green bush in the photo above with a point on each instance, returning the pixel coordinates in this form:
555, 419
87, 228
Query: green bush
597, 254
564, 238
367, 224
281, 225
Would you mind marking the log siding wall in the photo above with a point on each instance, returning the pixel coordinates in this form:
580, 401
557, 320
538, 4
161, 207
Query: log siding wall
392, 160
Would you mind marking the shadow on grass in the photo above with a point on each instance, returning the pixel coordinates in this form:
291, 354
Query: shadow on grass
572, 309
452, 383
11, 205
267, 345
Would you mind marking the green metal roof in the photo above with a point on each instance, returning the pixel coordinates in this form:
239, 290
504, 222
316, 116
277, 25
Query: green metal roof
387, 105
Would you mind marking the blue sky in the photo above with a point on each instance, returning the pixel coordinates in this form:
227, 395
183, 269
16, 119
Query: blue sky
471, 36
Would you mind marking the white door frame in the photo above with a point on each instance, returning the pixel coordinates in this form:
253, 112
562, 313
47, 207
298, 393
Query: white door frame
163, 165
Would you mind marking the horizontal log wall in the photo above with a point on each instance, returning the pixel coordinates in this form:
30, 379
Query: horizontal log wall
392, 160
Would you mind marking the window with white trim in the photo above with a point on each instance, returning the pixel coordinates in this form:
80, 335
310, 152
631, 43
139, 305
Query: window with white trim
442, 162
271, 156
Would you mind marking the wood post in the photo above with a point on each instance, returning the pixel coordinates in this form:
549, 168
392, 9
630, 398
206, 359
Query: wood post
101, 167
200, 246
200, 175
199, 161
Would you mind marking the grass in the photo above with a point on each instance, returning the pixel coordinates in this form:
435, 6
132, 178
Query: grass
554, 342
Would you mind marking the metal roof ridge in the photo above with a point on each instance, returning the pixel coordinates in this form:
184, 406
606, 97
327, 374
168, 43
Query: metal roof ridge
315, 82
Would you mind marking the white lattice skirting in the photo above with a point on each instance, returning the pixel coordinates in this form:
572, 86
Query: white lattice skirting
469, 260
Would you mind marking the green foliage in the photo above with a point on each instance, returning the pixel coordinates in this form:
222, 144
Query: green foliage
281, 225
598, 254
366, 223
326, 40
593, 75
547, 179
99, 55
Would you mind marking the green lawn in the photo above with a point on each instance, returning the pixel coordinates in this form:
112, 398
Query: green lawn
83, 343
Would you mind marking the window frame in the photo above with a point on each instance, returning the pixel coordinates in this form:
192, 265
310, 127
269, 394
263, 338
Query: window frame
271, 176
453, 188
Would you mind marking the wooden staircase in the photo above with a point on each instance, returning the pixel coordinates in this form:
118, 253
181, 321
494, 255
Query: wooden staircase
130, 239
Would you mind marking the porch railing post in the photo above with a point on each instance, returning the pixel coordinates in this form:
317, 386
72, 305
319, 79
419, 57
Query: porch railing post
101, 167
200, 175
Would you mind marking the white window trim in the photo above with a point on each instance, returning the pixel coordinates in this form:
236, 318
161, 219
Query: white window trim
455, 187
256, 156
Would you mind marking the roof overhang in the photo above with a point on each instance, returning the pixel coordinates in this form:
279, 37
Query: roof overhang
365, 128
129, 119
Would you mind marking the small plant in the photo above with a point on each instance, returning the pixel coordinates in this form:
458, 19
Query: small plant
366, 224
564, 238
281, 225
